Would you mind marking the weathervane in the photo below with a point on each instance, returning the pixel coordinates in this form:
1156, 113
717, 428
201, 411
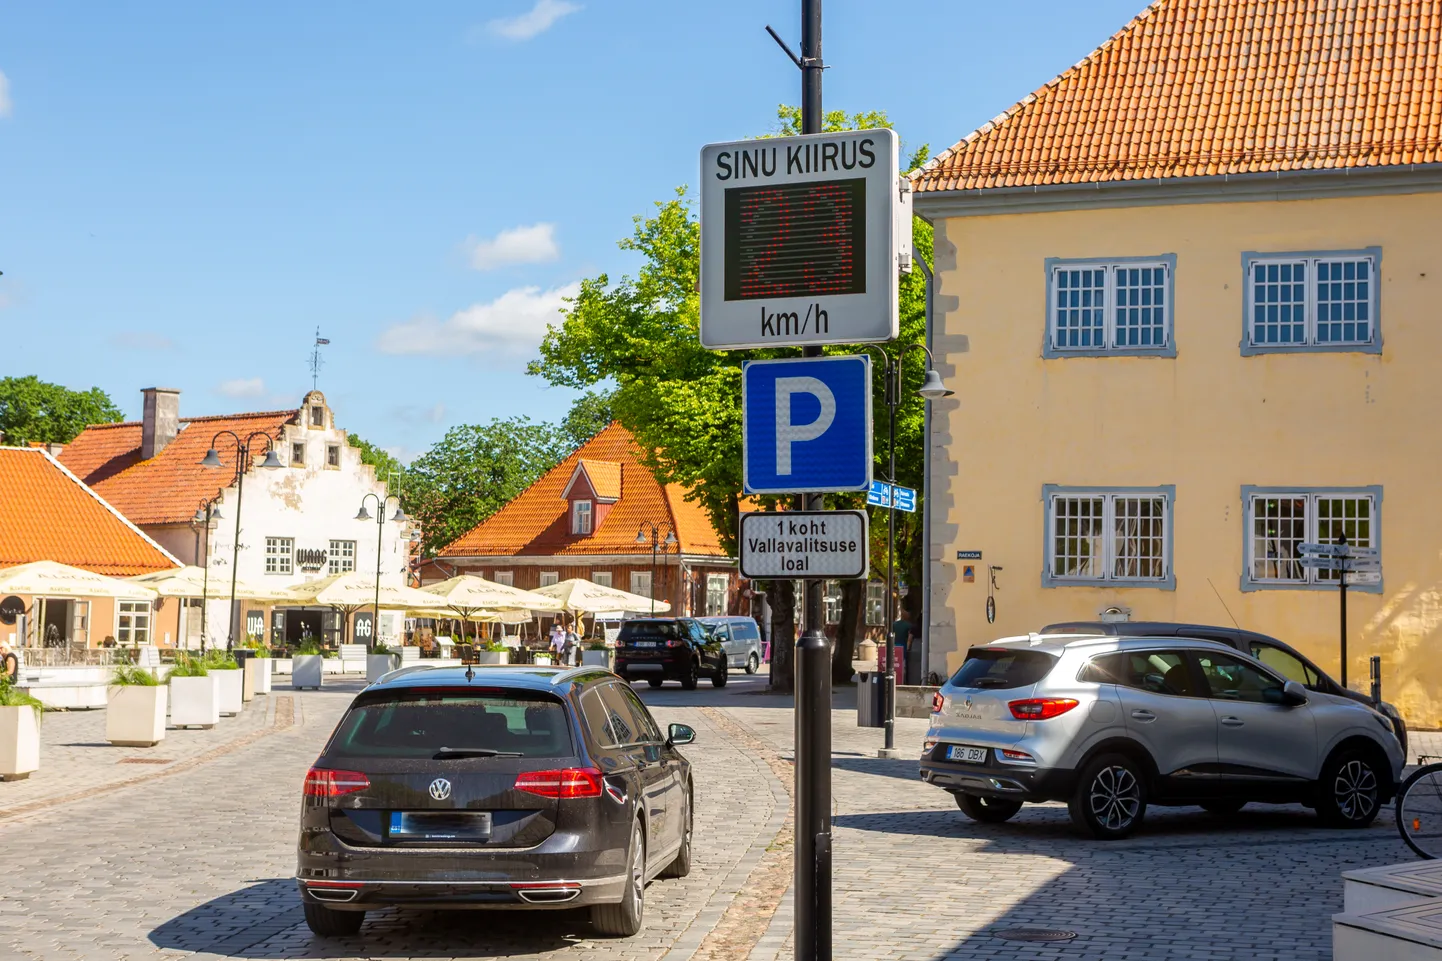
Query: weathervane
316, 361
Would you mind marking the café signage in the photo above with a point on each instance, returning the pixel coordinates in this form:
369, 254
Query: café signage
311, 559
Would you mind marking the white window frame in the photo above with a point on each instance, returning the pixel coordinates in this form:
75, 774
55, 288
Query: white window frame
718, 591
132, 623
1107, 575
581, 515
875, 603
550, 577
641, 583
831, 599
603, 578
297, 447
1314, 531
278, 560
329, 450
1110, 266
507, 578
340, 559
1310, 261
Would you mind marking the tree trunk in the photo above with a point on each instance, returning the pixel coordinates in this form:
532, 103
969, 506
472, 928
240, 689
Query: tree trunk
782, 600
853, 594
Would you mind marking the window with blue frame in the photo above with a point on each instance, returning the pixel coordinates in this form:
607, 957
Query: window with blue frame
1109, 307
1097, 536
1323, 301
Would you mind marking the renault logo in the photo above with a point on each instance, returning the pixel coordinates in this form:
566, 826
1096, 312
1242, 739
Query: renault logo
440, 789
968, 700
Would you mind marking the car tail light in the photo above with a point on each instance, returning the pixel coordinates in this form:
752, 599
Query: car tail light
321, 782
672, 642
571, 782
1014, 755
936, 702
1040, 708
928, 746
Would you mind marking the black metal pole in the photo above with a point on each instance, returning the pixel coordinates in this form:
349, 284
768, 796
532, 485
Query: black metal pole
813, 651
1342, 596
242, 452
888, 681
205, 580
380, 536
653, 570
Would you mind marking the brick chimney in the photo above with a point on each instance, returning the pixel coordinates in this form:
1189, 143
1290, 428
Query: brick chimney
161, 420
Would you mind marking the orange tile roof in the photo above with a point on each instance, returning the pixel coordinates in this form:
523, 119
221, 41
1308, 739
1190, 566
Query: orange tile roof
1205, 87
605, 477
168, 488
535, 523
47, 514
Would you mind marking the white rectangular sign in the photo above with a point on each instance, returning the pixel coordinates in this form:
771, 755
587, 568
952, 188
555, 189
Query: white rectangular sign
1363, 577
803, 544
1338, 550
800, 240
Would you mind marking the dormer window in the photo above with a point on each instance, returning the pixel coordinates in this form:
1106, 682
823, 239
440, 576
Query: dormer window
317, 416
580, 517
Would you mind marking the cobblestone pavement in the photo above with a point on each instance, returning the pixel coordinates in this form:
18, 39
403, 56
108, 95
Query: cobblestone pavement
196, 859
199, 864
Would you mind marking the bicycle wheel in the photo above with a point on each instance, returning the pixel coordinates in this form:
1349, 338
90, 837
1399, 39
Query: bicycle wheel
1419, 811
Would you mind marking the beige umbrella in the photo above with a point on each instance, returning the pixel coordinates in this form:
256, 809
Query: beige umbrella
586, 597
348, 593
471, 598
192, 582
49, 579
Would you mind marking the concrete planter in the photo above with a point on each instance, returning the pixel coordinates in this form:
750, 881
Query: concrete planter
596, 659
257, 677
541, 659
378, 664
282, 665
19, 743
493, 657
135, 715
306, 671
195, 701
231, 688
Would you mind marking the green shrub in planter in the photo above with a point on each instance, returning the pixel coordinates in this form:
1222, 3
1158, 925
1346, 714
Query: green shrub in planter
220, 661
381, 649
495, 647
596, 646
308, 646
12, 696
187, 666
129, 675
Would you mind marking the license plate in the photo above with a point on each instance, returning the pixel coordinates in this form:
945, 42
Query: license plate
971, 755
643, 643
442, 825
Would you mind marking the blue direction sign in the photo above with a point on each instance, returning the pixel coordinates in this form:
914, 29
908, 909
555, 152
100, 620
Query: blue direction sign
879, 495
905, 498
806, 425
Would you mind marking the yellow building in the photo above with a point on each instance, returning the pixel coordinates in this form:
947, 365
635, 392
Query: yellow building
1188, 296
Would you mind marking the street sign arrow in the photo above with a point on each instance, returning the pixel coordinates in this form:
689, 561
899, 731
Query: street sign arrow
1363, 577
905, 499
1338, 550
879, 495
1341, 563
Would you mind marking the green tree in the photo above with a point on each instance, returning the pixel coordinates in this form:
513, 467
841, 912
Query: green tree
33, 411
681, 401
587, 417
473, 471
388, 468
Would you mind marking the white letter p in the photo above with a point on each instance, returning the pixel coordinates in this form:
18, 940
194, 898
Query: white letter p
788, 433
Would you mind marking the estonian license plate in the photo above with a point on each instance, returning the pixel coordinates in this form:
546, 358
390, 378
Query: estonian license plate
442, 825
643, 643
962, 752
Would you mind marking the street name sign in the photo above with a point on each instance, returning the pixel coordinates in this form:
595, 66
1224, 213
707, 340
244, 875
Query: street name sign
801, 240
1362, 577
1341, 563
804, 544
1338, 550
806, 425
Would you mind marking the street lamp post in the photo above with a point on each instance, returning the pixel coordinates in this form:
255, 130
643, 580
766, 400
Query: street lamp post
380, 519
207, 513
243, 459
664, 545
931, 389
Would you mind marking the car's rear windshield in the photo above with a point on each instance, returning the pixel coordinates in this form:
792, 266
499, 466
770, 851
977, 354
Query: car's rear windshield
650, 631
417, 724
1002, 667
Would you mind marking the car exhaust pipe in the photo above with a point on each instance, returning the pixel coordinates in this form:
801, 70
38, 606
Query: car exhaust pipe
339, 895
548, 893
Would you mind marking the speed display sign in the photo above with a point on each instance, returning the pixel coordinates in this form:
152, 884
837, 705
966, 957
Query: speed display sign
801, 239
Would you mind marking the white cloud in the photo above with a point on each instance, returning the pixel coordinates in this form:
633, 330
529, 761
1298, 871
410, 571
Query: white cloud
519, 245
513, 323
534, 22
242, 387
4, 95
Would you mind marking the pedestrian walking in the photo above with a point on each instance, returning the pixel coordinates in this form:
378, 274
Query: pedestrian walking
572, 642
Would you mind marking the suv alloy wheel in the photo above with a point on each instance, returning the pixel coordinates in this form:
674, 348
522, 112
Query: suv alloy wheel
1111, 797
689, 679
1349, 792
753, 663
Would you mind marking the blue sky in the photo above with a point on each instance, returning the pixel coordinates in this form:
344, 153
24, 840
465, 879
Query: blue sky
188, 190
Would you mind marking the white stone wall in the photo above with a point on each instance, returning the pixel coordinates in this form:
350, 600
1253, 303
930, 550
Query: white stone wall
313, 505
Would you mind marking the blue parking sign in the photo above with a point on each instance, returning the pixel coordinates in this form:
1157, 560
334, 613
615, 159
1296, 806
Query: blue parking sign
806, 425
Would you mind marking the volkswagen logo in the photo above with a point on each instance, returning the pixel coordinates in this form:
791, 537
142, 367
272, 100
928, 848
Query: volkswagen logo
440, 789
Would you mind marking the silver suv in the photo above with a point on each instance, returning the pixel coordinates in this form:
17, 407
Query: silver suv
1112, 724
